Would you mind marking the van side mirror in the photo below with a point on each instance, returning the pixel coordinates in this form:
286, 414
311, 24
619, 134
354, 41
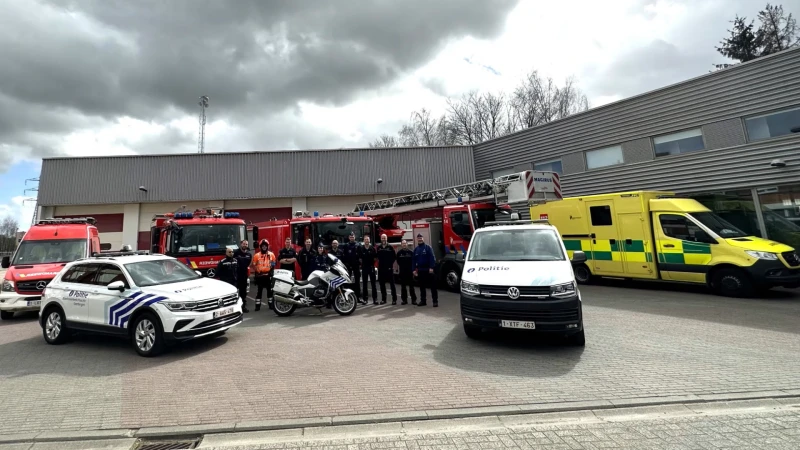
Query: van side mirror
578, 257
255, 237
116, 286
6, 262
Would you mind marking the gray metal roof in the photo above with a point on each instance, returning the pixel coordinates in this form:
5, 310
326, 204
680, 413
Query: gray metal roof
227, 176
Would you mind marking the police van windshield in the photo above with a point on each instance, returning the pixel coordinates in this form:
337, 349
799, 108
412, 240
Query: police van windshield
49, 251
207, 239
516, 245
718, 225
160, 271
328, 231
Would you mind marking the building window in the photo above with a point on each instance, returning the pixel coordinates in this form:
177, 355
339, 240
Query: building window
601, 216
604, 157
773, 125
516, 169
550, 166
677, 143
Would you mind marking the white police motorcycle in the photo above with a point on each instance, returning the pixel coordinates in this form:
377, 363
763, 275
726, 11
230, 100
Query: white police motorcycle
321, 288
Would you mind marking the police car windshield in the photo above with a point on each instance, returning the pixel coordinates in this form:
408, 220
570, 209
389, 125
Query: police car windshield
160, 271
328, 231
49, 251
516, 245
207, 239
719, 225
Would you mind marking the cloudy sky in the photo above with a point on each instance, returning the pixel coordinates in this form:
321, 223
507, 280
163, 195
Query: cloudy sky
103, 77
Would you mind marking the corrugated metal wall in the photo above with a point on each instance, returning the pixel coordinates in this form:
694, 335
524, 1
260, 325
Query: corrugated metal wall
212, 176
715, 102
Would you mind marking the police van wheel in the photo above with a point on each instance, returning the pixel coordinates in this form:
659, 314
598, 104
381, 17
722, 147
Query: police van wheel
452, 278
6, 315
732, 283
473, 331
147, 336
582, 274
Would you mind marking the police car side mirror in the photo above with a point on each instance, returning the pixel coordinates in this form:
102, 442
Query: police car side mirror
578, 257
6, 262
116, 286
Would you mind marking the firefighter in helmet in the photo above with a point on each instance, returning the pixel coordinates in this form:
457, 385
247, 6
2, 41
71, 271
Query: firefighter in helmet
263, 263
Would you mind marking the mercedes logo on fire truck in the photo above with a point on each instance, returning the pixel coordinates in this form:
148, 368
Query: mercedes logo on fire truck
41, 285
513, 293
210, 273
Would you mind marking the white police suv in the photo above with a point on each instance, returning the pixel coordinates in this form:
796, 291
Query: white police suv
154, 300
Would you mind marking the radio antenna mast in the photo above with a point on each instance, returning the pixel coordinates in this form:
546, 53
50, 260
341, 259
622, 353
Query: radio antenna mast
201, 140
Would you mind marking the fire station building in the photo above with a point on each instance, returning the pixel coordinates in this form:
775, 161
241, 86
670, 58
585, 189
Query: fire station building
730, 139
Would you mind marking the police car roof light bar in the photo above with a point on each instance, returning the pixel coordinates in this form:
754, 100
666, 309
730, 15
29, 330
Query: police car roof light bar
516, 222
113, 253
67, 220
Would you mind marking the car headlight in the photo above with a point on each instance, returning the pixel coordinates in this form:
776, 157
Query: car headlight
7, 286
180, 306
762, 255
470, 288
563, 290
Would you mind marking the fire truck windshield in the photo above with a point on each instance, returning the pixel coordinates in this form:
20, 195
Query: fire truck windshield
328, 231
207, 239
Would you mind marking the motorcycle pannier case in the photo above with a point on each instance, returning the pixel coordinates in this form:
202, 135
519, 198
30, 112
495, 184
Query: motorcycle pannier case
284, 280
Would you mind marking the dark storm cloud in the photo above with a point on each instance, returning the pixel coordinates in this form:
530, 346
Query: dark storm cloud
112, 58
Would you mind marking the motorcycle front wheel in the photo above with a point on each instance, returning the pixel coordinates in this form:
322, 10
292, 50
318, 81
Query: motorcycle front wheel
283, 309
345, 304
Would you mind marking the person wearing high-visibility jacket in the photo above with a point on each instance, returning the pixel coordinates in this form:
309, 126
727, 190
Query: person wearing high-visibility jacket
263, 263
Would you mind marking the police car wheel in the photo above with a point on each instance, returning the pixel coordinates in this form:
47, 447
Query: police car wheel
54, 329
147, 335
473, 331
732, 283
6, 315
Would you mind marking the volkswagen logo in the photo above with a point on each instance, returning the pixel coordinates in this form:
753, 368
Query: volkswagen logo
513, 293
219, 303
210, 273
41, 285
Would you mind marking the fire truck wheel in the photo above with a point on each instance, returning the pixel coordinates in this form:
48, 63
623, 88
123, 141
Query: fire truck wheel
452, 278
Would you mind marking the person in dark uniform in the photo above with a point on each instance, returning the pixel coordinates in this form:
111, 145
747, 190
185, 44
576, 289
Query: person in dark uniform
423, 264
368, 255
404, 257
243, 259
319, 262
287, 257
304, 258
386, 259
335, 250
228, 268
350, 260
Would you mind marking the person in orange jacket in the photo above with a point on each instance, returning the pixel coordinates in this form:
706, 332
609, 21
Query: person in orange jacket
263, 264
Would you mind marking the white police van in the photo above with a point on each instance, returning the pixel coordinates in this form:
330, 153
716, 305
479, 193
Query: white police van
154, 300
517, 275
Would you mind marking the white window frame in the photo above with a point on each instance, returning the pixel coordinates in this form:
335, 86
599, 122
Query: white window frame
514, 169
551, 161
677, 136
759, 116
613, 147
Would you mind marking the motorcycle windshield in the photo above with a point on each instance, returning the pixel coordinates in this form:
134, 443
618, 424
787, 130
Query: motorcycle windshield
332, 259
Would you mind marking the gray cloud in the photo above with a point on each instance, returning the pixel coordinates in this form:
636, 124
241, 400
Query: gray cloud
71, 64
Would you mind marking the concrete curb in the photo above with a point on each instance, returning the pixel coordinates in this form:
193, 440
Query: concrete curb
386, 418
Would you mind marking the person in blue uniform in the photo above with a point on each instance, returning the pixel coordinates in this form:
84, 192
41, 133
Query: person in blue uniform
404, 257
350, 258
423, 265
386, 259
368, 255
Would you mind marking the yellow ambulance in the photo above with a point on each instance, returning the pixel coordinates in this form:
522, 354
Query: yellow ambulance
658, 236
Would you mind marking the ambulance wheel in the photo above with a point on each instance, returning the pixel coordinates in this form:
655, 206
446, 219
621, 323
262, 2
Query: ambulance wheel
283, 309
582, 274
731, 282
452, 278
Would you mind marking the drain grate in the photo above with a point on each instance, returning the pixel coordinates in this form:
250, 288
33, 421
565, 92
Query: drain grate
166, 444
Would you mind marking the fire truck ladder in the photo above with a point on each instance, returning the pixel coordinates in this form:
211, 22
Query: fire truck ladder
493, 189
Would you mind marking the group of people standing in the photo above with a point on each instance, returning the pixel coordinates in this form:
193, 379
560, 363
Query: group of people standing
418, 264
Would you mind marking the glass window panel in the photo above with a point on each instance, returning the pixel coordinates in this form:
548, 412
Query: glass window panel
781, 213
773, 125
677, 143
551, 166
604, 157
735, 207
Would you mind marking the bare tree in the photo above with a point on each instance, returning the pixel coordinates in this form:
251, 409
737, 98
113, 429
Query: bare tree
8, 234
777, 32
384, 141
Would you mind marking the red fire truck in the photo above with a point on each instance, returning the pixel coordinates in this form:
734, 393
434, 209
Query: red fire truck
197, 238
318, 227
447, 217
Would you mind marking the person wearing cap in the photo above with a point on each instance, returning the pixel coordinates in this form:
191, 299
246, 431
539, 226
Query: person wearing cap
305, 259
243, 258
368, 255
350, 259
263, 263
404, 259
423, 264
386, 259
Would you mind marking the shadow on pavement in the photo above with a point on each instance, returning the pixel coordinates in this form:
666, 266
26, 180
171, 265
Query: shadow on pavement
21, 317
775, 310
508, 353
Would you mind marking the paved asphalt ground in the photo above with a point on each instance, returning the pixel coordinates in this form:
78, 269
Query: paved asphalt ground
642, 341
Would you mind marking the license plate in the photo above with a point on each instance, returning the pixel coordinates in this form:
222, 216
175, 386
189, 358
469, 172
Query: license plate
223, 312
517, 324
35, 303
